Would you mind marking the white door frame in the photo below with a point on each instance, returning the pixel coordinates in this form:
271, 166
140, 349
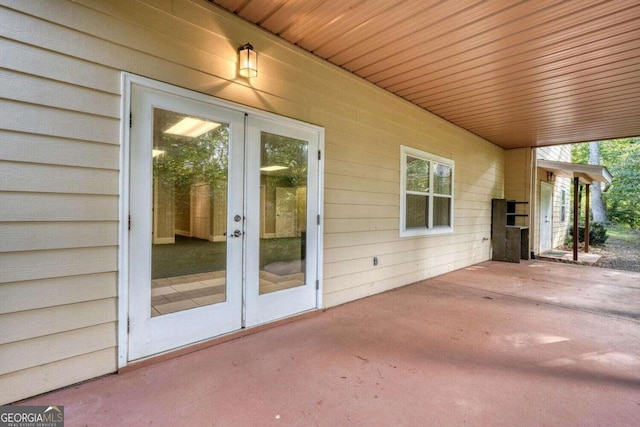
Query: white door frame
127, 81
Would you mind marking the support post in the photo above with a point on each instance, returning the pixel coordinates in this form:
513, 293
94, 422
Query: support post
586, 220
576, 209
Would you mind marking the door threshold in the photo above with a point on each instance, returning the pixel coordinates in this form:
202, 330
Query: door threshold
192, 348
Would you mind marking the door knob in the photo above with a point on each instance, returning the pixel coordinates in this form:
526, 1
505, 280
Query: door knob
237, 233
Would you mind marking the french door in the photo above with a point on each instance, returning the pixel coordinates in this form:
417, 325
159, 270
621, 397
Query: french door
282, 187
223, 219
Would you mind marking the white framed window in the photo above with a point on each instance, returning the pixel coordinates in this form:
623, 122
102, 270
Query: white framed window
426, 193
563, 205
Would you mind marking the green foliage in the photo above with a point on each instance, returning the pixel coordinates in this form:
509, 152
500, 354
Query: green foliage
417, 174
597, 234
187, 161
623, 234
287, 152
622, 199
622, 159
580, 153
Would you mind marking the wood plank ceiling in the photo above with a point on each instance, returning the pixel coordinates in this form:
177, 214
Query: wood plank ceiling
518, 73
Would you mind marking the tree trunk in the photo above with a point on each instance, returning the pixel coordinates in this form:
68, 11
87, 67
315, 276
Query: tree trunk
597, 207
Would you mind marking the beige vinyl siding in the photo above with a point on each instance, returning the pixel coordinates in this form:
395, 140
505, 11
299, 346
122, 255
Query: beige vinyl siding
518, 177
32, 148
59, 173
560, 230
53, 292
349, 271
53, 375
517, 185
60, 130
31, 236
59, 346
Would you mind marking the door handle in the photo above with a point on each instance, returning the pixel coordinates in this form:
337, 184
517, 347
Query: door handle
236, 233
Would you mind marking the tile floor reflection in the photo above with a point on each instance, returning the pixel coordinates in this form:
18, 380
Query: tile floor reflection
172, 294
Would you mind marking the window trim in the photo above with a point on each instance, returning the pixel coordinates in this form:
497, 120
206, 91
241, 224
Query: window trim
405, 152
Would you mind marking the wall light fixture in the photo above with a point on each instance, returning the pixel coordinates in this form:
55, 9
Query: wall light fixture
247, 61
550, 176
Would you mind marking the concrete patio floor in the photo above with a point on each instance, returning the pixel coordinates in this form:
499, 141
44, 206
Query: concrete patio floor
496, 344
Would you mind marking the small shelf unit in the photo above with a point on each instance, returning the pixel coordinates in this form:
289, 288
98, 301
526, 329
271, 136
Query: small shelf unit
509, 230
515, 213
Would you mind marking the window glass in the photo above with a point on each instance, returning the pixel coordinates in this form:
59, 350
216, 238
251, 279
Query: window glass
426, 204
442, 179
417, 211
188, 245
417, 175
283, 192
441, 211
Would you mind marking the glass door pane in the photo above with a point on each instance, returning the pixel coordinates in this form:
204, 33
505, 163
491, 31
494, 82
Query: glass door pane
283, 197
190, 177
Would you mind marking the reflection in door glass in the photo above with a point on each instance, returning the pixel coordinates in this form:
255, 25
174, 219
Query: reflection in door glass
283, 201
189, 250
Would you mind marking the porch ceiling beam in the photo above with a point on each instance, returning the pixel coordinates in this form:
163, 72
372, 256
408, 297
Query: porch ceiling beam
588, 174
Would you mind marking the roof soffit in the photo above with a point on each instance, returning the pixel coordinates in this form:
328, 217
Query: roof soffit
519, 74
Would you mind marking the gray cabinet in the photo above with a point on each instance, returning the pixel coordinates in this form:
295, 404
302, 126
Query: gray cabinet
510, 241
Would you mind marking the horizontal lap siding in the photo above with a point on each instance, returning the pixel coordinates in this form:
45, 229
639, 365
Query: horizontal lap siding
516, 185
59, 174
362, 201
560, 230
60, 165
59, 346
56, 291
53, 375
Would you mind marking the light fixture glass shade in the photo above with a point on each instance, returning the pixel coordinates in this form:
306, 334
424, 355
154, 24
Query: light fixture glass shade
247, 61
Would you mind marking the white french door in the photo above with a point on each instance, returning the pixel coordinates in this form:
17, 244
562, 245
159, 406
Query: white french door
282, 163
207, 184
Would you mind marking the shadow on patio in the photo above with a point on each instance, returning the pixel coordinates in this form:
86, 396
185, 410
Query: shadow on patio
495, 344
